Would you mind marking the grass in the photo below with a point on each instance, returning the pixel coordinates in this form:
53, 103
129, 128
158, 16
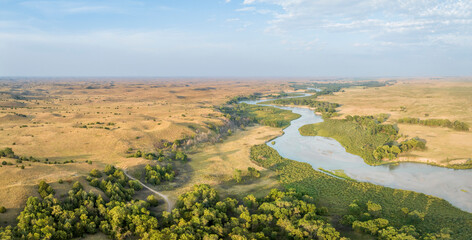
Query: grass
269, 116
355, 139
418, 98
144, 111
338, 173
336, 194
214, 164
16, 184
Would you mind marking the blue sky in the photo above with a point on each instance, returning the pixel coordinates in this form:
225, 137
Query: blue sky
236, 38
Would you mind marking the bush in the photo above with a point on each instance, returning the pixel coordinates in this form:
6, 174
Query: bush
237, 175
252, 172
3, 209
7, 152
157, 174
95, 173
44, 189
181, 156
152, 200
134, 184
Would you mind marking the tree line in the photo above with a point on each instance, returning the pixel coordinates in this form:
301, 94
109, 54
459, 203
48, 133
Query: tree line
9, 153
456, 125
162, 155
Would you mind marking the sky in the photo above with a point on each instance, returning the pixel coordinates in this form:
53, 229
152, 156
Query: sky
236, 38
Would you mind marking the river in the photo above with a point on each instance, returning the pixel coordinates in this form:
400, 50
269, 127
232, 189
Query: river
452, 185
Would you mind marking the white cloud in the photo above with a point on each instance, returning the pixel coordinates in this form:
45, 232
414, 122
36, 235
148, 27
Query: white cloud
246, 9
232, 19
75, 7
406, 21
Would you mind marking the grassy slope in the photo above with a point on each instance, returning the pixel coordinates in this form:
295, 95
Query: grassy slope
337, 194
355, 139
144, 112
214, 164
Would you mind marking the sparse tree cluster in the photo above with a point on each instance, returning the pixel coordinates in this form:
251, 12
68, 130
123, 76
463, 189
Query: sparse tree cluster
240, 176
8, 152
391, 151
162, 155
157, 174
456, 125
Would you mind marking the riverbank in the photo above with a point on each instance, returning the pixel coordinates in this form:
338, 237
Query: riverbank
362, 142
336, 194
327, 153
410, 157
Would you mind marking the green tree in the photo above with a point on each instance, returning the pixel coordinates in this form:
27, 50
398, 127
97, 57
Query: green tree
96, 173
152, 200
237, 175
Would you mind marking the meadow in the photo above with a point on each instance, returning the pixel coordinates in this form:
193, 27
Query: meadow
440, 98
95, 122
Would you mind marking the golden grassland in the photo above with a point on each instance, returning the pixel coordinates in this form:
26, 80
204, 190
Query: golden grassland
426, 99
44, 119
214, 164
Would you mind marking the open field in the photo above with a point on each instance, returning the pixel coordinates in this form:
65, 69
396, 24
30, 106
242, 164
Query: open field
16, 184
424, 99
80, 120
214, 165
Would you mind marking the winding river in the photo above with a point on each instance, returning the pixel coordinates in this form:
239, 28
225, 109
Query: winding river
452, 185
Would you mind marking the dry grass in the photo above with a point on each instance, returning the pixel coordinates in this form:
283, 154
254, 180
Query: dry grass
214, 164
143, 112
442, 99
16, 184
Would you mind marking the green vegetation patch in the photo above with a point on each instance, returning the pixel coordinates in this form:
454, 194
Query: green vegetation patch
358, 138
364, 136
337, 194
326, 108
243, 114
456, 125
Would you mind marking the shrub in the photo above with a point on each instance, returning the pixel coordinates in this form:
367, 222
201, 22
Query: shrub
95, 173
152, 200
237, 175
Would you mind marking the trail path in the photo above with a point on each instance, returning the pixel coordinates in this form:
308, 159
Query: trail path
170, 204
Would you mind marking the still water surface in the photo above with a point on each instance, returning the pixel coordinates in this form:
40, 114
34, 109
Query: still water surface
452, 185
